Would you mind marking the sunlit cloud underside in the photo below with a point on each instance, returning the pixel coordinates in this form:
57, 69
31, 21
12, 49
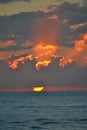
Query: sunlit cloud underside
43, 53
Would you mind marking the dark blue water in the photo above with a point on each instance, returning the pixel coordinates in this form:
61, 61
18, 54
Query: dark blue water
43, 111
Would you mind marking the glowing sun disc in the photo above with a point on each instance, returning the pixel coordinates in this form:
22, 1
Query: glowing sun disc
38, 89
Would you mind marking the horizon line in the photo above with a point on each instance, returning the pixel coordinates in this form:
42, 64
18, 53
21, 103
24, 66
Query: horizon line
46, 89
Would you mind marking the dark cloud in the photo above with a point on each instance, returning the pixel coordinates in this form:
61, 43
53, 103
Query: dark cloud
70, 14
20, 25
26, 76
51, 7
18, 28
23, 25
8, 1
14, 48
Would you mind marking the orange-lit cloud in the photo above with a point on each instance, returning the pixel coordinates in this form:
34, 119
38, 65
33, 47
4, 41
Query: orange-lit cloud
15, 63
53, 17
43, 53
77, 53
6, 55
76, 26
65, 61
42, 63
7, 43
81, 43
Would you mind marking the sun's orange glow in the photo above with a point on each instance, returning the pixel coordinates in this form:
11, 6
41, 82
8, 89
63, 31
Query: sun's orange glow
38, 89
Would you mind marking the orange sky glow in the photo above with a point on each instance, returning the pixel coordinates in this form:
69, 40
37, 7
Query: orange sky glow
45, 48
44, 52
43, 43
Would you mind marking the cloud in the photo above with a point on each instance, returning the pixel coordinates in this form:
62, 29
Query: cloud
29, 42
11, 7
53, 17
44, 52
8, 1
77, 26
26, 76
20, 40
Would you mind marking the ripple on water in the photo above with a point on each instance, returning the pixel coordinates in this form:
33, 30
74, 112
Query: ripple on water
46, 121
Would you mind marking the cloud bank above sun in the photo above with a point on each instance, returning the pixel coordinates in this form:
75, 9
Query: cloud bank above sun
42, 36
43, 42
43, 53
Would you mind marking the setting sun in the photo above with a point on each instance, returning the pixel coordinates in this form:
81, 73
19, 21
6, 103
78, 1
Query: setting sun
38, 89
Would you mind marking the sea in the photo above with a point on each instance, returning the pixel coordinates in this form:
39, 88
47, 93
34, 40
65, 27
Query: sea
43, 111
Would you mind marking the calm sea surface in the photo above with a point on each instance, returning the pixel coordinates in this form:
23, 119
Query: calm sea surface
43, 111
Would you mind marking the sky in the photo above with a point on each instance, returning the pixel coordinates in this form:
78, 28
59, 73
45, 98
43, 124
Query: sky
43, 42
